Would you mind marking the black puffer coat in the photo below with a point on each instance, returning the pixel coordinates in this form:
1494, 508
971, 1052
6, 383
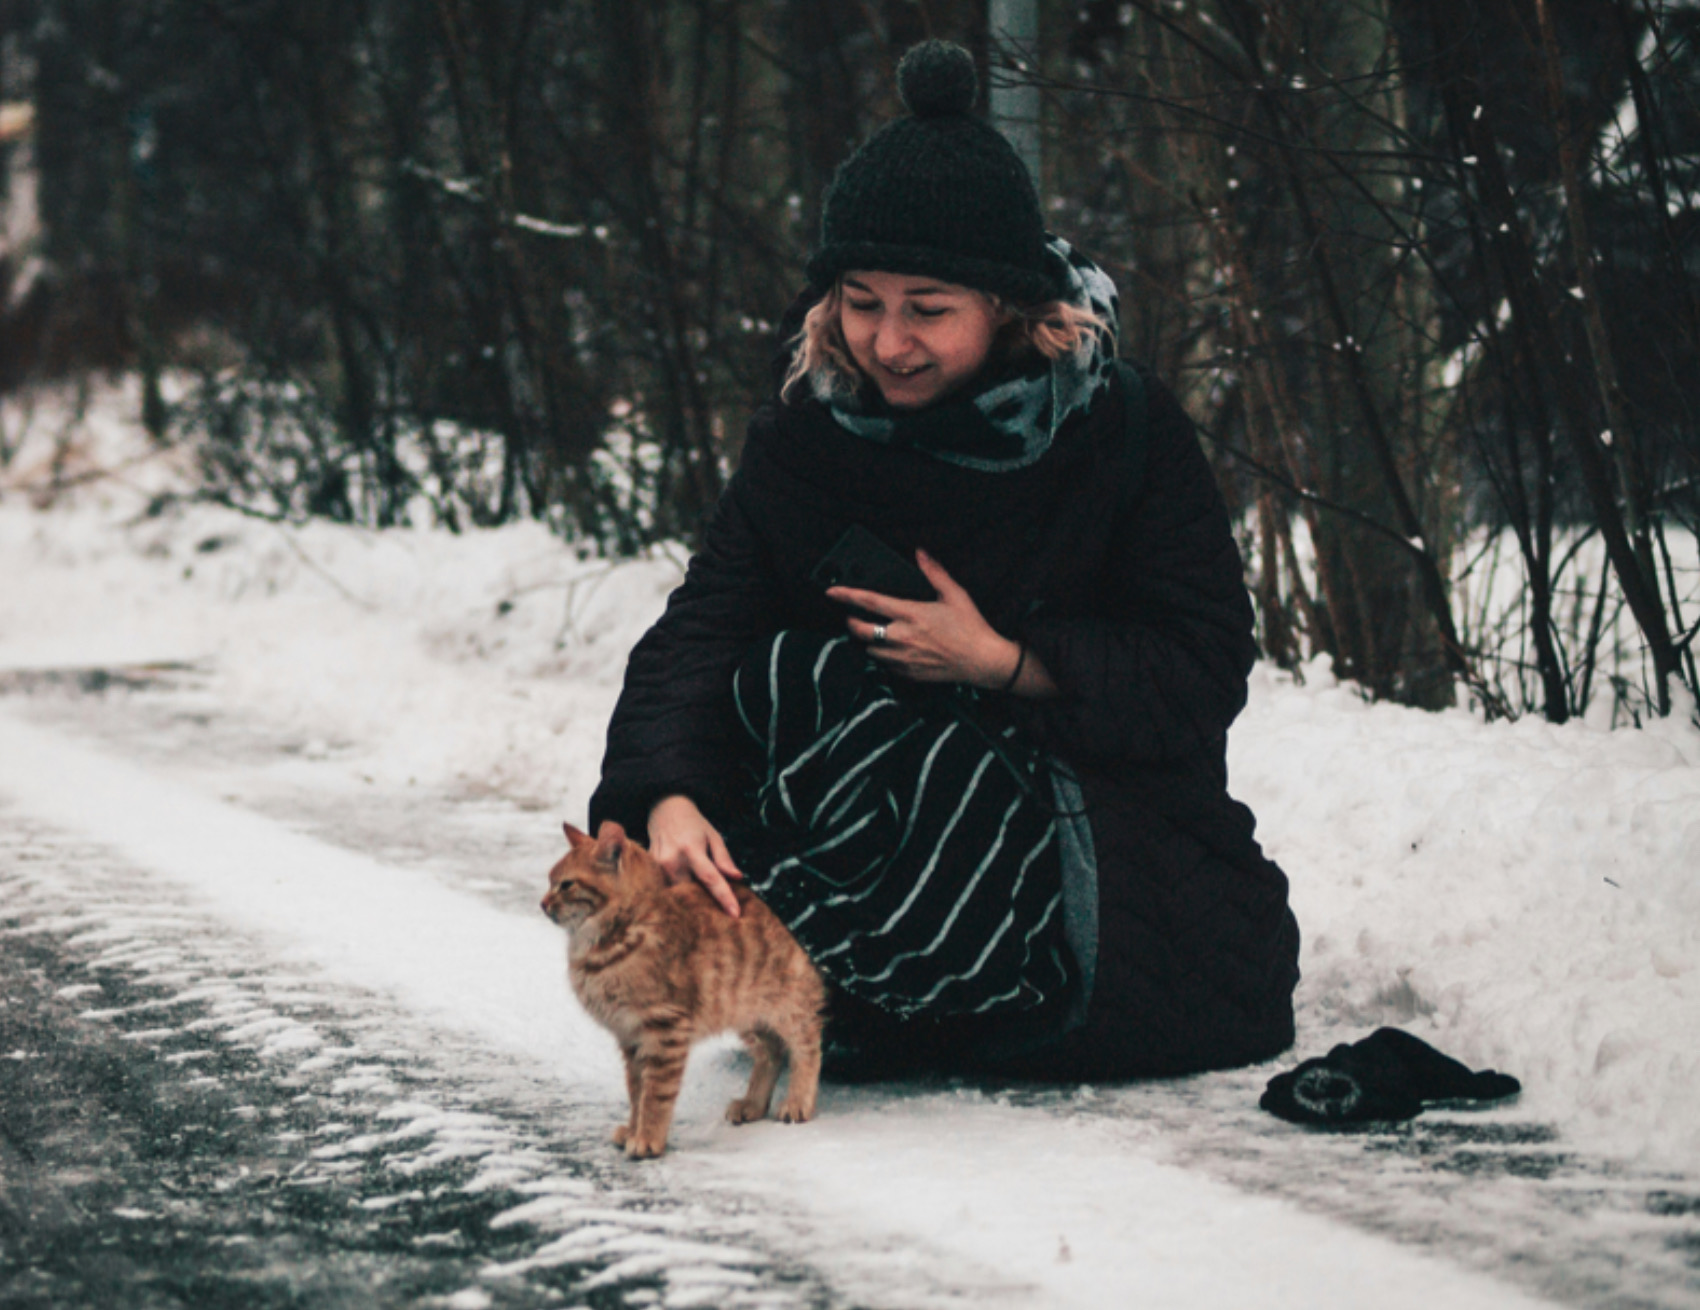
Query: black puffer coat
1111, 557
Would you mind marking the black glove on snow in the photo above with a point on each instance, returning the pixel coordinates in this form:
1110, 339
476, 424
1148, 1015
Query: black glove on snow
1387, 1075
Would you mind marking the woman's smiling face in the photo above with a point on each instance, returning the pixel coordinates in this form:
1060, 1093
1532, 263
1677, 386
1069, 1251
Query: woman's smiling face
916, 337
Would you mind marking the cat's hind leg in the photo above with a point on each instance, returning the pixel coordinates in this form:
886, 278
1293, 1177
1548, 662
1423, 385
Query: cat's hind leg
802, 1041
769, 1053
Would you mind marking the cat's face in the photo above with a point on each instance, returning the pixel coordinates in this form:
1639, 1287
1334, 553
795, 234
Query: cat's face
587, 877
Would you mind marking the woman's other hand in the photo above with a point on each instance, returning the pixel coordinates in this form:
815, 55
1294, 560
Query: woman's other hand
944, 640
684, 842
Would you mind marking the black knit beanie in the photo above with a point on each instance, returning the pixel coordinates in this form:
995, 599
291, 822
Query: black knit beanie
938, 194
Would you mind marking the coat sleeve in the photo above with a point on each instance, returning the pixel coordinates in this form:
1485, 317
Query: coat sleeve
1157, 670
674, 728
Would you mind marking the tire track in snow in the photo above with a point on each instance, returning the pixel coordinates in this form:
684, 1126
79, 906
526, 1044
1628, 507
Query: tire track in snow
279, 1136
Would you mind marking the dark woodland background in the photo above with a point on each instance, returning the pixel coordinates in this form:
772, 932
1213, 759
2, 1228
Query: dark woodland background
1426, 271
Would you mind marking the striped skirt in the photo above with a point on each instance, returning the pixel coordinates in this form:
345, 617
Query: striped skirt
904, 838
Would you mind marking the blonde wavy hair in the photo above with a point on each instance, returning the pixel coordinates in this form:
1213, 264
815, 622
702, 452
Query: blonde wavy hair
1053, 328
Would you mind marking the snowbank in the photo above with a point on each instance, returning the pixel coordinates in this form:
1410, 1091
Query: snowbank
1523, 895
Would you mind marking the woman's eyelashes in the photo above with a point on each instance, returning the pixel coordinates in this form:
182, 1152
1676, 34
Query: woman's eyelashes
919, 311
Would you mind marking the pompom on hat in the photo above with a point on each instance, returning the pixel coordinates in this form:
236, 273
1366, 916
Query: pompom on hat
940, 193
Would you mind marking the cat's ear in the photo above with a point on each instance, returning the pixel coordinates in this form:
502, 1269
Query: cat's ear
610, 842
575, 838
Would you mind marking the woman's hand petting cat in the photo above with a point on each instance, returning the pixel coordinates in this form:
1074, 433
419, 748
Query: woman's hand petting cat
943, 640
683, 842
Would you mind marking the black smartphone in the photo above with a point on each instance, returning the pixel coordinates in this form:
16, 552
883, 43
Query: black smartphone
860, 559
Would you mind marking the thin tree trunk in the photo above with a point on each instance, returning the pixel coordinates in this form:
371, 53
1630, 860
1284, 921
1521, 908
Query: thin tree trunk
1532, 307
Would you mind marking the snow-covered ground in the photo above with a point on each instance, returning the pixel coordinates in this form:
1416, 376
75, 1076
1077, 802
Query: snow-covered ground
1525, 897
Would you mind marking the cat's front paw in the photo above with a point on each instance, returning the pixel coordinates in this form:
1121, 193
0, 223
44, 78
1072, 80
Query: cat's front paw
796, 1110
644, 1148
745, 1110
621, 1132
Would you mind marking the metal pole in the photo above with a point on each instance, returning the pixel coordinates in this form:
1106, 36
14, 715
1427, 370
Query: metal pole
1014, 28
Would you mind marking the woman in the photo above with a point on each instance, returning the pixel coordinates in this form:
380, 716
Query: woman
998, 819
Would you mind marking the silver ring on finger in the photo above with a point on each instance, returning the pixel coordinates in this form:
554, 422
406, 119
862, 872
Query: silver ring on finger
879, 634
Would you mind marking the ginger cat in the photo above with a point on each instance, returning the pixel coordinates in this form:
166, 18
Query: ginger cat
661, 966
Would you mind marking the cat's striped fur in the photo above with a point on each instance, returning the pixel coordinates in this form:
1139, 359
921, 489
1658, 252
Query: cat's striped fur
661, 966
